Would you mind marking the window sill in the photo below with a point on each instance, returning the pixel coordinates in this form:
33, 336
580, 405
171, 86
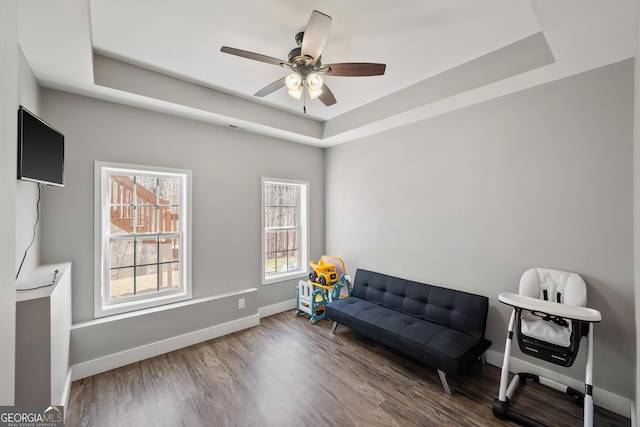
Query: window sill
285, 277
143, 304
160, 308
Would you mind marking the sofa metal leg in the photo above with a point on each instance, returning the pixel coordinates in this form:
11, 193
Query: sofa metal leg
483, 359
333, 329
443, 379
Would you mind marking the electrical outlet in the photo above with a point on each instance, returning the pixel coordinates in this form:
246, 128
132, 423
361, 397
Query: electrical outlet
241, 303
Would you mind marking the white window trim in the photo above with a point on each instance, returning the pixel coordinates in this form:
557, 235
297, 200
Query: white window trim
101, 223
304, 235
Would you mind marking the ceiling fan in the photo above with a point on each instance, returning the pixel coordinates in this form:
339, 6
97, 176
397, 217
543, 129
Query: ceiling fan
305, 62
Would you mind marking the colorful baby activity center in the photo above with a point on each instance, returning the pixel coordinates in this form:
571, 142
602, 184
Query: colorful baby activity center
328, 281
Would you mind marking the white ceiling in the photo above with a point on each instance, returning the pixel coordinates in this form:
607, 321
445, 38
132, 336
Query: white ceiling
440, 54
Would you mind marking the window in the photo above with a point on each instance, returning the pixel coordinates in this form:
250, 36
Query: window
142, 237
285, 232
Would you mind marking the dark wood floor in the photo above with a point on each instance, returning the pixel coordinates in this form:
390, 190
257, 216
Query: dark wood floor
287, 372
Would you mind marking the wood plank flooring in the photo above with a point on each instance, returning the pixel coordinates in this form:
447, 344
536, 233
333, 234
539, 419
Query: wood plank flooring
287, 372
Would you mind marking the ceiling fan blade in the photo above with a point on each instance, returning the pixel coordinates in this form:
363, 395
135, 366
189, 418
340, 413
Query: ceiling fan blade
327, 97
315, 35
355, 69
252, 55
270, 88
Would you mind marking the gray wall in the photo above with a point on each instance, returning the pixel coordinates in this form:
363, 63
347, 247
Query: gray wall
8, 151
227, 168
473, 198
27, 192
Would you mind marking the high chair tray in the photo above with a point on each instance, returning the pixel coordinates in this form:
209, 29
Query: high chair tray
567, 311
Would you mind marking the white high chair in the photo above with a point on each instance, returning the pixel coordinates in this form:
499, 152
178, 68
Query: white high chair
550, 318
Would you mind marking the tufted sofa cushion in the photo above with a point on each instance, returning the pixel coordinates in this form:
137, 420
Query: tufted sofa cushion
457, 310
440, 327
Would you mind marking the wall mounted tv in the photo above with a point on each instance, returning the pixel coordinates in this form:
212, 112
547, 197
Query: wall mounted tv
40, 150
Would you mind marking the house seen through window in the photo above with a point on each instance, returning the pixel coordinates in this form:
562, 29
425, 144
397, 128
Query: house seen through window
144, 239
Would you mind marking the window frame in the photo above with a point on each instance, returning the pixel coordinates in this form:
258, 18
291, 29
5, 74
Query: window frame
103, 306
303, 215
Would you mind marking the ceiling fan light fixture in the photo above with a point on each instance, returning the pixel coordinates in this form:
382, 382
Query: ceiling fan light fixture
293, 82
314, 85
296, 93
314, 93
314, 81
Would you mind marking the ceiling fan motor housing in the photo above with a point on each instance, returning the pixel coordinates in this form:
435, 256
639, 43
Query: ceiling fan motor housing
300, 62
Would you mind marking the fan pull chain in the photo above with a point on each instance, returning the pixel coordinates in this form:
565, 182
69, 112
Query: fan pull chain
304, 96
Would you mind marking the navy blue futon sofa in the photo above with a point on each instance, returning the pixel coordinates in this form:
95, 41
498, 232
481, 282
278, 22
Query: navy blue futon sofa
441, 328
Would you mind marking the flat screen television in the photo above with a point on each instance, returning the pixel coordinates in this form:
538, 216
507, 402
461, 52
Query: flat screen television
40, 150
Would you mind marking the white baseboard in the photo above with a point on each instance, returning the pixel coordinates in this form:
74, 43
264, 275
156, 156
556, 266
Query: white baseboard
116, 360
270, 310
603, 398
66, 392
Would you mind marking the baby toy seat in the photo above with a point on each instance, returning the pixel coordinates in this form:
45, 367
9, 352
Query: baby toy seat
550, 318
311, 296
